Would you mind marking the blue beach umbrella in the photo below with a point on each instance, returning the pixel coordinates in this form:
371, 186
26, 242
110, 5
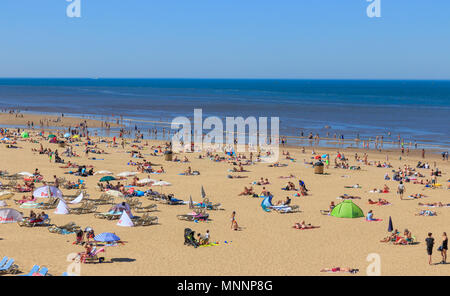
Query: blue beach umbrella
390, 227
106, 237
66, 135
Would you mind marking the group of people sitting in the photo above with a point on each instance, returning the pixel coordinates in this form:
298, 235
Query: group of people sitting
395, 238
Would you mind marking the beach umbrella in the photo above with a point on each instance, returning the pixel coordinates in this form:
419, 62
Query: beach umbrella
106, 237
146, 181
191, 203
25, 174
123, 206
6, 195
103, 173
25, 135
10, 216
76, 136
203, 192
162, 183
4, 139
390, 227
107, 178
51, 136
66, 135
127, 174
47, 191
125, 220
347, 209
115, 193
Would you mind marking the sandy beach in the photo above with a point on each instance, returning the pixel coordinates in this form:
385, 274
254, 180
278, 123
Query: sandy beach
267, 243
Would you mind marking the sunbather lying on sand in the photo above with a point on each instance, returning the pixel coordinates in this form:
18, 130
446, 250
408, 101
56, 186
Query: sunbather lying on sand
236, 177
346, 196
427, 213
416, 196
340, 269
380, 202
434, 204
287, 177
303, 225
247, 191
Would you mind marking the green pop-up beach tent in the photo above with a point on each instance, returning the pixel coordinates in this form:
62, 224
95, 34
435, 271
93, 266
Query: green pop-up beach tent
347, 209
25, 135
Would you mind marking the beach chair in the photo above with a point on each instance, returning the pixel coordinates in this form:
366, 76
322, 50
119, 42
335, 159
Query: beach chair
43, 271
69, 227
146, 220
4, 260
85, 208
93, 256
104, 199
33, 270
107, 216
196, 215
287, 209
28, 223
9, 267
141, 209
52, 203
134, 202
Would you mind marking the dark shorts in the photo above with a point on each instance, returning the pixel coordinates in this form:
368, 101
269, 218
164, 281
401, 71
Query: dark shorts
430, 251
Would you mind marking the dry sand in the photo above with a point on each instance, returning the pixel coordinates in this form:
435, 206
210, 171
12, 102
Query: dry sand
267, 244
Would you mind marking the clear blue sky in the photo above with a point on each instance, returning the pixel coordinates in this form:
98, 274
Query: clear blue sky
226, 39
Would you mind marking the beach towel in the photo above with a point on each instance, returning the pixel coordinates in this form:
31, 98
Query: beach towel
374, 220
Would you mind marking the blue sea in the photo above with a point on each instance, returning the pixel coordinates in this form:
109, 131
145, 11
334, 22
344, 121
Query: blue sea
415, 110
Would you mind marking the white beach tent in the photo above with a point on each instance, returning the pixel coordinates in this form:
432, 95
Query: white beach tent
125, 220
78, 199
3, 203
62, 208
10, 216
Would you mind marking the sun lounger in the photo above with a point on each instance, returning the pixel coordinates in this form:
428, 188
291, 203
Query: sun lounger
141, 209
33, 270
85, 208
4, 260
108, 216
52, 203
9, 267
104, 199
43, 271
146, 220
27, 223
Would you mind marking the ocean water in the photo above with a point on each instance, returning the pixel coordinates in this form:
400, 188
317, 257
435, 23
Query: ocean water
415, 110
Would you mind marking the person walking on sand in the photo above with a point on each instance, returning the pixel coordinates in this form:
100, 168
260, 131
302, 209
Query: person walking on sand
430, 243
234, 225
401, 189
444, 247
